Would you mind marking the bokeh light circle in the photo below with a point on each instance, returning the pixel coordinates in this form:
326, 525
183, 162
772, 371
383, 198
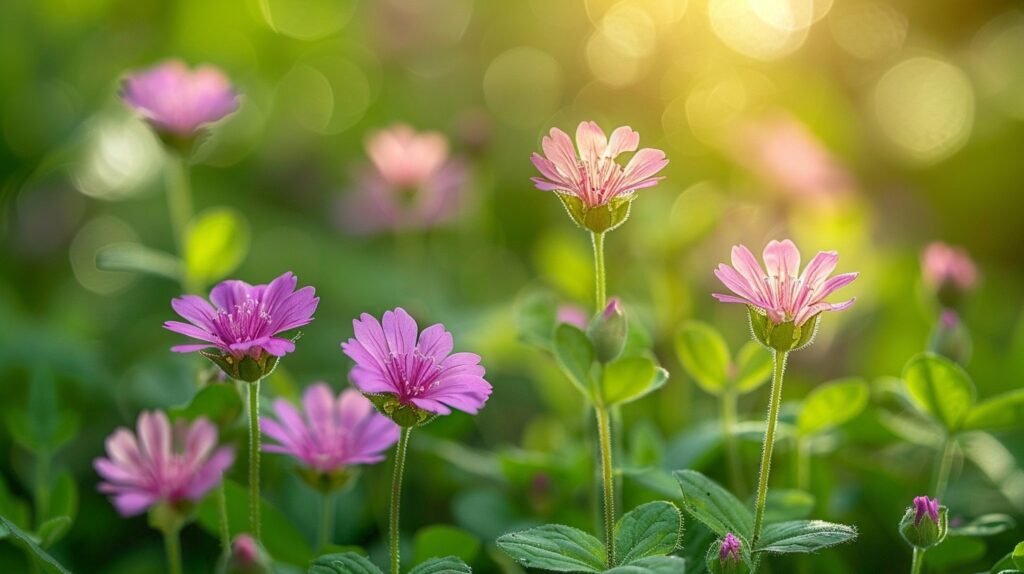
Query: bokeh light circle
997, 57
97, 234
868, 31
326, 95
122, 156
307, 19
740, 27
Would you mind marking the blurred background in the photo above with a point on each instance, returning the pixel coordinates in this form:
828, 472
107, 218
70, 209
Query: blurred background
868, 127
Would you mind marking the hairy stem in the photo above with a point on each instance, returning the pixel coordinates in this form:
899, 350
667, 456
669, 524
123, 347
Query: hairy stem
604, 431
254, 460
396, 497
599, 277
779, 361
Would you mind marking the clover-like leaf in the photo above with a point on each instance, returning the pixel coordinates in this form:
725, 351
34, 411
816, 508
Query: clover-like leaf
445, 565
216, 242
939, 388
714, 506
344, 563
652, 529
555, 547
753, 367
832, 404
705, 356
1001, 412
629, 378
802, 536
575, 355
652, 565
985, 525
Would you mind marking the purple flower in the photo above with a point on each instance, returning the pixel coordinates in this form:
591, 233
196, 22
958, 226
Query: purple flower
418, 372
730, 549
924, 506
161, 463
333, 434
179, 101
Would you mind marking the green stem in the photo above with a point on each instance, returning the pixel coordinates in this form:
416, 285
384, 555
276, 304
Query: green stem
42, 487
779, 361
326, 521
918, 564
254, 459
802, 453
396, 496
173, 547
732, 451
599, 278
604, 432
179, 198
944, 464
222, 519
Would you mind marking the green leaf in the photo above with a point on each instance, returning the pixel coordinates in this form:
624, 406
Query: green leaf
26, 541
652, 565
575, 355
538, 315
346, 563
218, 402
705, 356
138, 258
803, 536
954, 552
15, 509
629, 378
985, 525
652, 529
940, 388
446, 565
443, 540
216, 243
42, 427
788, 504
753, 367
714, 506
52, 530
1018, 555
832, 404
1001, 412
555, 547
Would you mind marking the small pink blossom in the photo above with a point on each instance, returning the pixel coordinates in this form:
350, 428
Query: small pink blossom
177, 100
161, 463
781, 293
943, 264
332, 433
418, 369
593, 176
730, 549
924, 506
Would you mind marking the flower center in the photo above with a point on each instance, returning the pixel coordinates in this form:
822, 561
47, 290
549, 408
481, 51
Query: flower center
245, 322
413, 374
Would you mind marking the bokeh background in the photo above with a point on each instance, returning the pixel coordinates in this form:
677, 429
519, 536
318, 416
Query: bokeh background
868, 127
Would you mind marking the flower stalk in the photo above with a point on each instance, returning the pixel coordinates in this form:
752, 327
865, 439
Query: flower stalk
779, 364
918, 562
326, 531
599, 273
943, 466
179, 200
396, 496
732, 450
604, 431
172, 546
254, 459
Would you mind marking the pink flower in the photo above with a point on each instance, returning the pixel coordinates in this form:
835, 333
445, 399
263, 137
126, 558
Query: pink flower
924, 506
945, 265
245, 319
781, 293
729, 551
163, 464
413, 183
416, 371
573, 315
177, 100
594, 177
332, 433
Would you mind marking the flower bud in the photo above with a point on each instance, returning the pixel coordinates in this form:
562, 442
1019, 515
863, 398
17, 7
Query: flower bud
607, 332
950, 338
925, 523
246, 557
949, 272
783, 337
726, 556
598, 218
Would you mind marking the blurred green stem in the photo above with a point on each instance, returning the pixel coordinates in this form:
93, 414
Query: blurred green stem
779, 361
254, 459
326, 521
943, 466
918, 563
179, 197
42, 486
802, 454
222, 518
604, 432
732, 450
396, 496
172, 544
599, 279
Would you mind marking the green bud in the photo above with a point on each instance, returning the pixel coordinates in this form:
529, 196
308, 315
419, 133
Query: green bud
246, 557
607, 332
783, 337
404, 415
920, 529
950, 338
170, 517
599, 218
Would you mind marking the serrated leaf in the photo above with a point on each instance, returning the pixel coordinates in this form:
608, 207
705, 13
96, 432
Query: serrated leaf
575, 355
629, 378
705, 356
652, 529
138, 258
1001, 412
939, 388
803, 536
216, 243
753, 367
446, 565
832, 404
345, 563
436, 540
23, 539
652, 565
985, 525
714, 506
555, 547
218, 402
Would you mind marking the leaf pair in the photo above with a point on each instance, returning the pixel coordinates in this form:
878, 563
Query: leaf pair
643, 538
704, 354
623, 380
352, 563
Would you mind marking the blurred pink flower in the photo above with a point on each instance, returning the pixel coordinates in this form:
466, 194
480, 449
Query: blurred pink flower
573, 315
161, 463
412, 183
781, 293
177, 100
331, 433
944, 265
594, 177
422, 371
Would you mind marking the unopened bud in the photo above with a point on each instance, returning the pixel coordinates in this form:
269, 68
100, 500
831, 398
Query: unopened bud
925, 523
726, 556
950, 338
607, 332
246, 557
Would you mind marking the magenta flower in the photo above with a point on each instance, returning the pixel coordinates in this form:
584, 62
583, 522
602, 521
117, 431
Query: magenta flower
410, 371
730, 549
594, 177
946, 266
782, 294
179, 101
412, 183
924, 506
332, 433
161, 463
